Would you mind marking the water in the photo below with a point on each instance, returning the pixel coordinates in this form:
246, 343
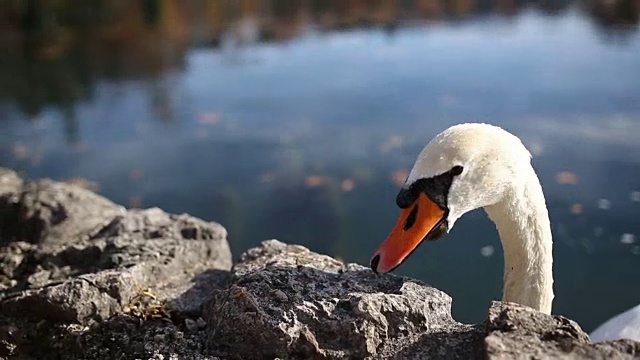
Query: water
298, 122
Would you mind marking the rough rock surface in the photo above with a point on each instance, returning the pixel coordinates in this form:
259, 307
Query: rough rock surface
517, 332
289, 302
74, 268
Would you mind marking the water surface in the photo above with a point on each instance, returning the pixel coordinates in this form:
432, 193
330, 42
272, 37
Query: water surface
299, 122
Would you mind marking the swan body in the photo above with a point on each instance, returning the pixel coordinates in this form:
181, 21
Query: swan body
470, 166
625, 325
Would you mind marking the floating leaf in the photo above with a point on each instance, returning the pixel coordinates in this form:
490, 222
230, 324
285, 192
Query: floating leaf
576, 209
567, 178
347, 185
315, 181
399, 176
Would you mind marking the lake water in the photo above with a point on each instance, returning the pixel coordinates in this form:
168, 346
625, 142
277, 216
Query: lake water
299, 122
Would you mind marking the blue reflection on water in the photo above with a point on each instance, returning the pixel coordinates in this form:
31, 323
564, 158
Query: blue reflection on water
300, 141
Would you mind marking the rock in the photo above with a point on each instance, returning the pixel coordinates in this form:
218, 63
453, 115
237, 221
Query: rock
337, 311
74, 267
10, 182
333, 310
515, 331
83, 278
51, 212
10, 186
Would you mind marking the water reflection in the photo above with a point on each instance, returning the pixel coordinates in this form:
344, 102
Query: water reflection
299, 120
58, 51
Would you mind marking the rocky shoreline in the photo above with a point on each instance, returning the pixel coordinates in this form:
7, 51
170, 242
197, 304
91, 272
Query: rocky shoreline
84, 278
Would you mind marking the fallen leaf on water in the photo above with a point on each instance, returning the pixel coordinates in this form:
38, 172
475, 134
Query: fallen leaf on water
567, 178
576, 209
347, 185
315, 181
399, 176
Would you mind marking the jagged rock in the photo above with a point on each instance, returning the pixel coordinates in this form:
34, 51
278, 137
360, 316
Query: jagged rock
518, 332
73, 266
72, 262
287, 302
10, 182
50, 212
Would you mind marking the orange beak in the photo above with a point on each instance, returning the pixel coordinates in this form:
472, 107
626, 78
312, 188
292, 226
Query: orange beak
414, 224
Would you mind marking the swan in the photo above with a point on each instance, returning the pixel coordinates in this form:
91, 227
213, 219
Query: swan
625, 325
470, 166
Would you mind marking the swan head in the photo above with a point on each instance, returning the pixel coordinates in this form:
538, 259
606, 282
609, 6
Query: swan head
465, 167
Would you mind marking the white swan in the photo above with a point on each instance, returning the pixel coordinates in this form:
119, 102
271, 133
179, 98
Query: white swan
625, 325
470, 166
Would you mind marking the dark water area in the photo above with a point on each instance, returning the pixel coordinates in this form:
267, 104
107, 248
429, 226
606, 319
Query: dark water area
299, 121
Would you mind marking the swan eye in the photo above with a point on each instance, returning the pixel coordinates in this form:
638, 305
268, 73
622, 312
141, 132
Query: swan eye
456, 170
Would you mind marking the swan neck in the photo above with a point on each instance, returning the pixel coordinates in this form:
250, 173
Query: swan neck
523, 224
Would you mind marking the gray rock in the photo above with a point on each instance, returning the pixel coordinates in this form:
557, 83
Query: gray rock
342, 311
50, 212
74, 268
333, 310
518, 332
72, 265
10, 182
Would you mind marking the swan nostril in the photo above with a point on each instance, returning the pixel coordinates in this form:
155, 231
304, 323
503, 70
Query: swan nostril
374, 263
411, 219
